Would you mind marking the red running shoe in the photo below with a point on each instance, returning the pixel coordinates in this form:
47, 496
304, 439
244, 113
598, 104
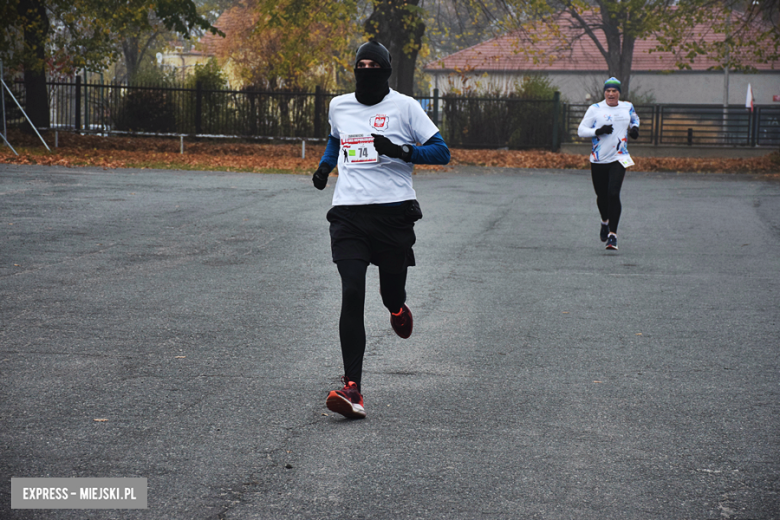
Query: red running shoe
347, 401
402, 322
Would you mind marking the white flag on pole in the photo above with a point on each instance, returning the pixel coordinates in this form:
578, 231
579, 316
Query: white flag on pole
749, 98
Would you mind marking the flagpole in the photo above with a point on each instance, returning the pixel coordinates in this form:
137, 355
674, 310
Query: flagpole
726, 67
749, 106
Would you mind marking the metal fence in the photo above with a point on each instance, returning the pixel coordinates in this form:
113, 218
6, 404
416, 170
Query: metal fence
508, 122
696, 125
111, 109
465, 121
114, 108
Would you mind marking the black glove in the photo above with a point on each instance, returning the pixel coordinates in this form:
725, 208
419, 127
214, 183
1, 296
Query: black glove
320, 177
606, 129
634, 132
385, 146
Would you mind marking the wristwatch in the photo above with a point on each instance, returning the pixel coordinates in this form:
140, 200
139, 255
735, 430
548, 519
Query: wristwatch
406, 153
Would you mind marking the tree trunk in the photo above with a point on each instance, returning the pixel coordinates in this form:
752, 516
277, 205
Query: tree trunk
626, 59
130, 51
619, 63
619, 54
36, 29
397, 25
134, 52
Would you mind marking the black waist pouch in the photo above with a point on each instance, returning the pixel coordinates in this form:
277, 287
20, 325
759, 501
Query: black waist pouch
413, 212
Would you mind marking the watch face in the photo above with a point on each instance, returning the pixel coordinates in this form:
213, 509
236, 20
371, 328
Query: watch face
406, 148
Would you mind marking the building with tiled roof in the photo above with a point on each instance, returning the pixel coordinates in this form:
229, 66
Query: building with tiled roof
183, 58
231, 20
578, 70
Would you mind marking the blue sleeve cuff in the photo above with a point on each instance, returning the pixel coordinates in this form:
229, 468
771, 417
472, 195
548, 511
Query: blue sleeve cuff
434, 151
331, 155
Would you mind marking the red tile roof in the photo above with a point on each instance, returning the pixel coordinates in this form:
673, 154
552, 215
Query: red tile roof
231, 20
503, 54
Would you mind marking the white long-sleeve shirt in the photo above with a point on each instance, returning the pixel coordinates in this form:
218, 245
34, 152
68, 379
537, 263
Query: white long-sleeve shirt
608, 148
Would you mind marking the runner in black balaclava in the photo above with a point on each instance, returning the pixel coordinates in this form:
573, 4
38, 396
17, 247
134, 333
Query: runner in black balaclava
372, 140
371, 85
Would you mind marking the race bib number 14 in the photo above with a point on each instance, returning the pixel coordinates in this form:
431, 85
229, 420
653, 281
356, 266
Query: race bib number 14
626, 161
359, 149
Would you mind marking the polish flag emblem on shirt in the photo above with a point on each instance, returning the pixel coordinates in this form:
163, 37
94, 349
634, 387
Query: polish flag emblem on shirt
379, 122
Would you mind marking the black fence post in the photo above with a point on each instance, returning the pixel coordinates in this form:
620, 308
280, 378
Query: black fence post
252, 112
318, 109
436, 107
102, 107
556, 103
116, 94
754, 141
78, 103
565, 120
87, 126
198, 107
2, 98
656, 124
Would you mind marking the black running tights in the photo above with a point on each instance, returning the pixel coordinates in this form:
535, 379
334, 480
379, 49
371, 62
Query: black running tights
607, 181
352, 331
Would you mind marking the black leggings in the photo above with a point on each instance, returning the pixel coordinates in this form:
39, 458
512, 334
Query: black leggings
352, 331
607, 181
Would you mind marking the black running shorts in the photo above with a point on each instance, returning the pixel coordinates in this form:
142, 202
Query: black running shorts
381, 235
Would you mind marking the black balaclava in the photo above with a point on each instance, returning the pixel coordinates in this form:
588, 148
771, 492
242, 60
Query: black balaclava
371, 85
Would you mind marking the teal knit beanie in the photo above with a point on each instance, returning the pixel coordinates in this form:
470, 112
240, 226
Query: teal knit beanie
612, 83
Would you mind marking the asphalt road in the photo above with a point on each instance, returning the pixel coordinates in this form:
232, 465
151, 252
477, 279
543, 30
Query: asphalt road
546, 377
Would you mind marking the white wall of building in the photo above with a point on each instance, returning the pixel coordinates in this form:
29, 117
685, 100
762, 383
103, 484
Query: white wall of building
674, 87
